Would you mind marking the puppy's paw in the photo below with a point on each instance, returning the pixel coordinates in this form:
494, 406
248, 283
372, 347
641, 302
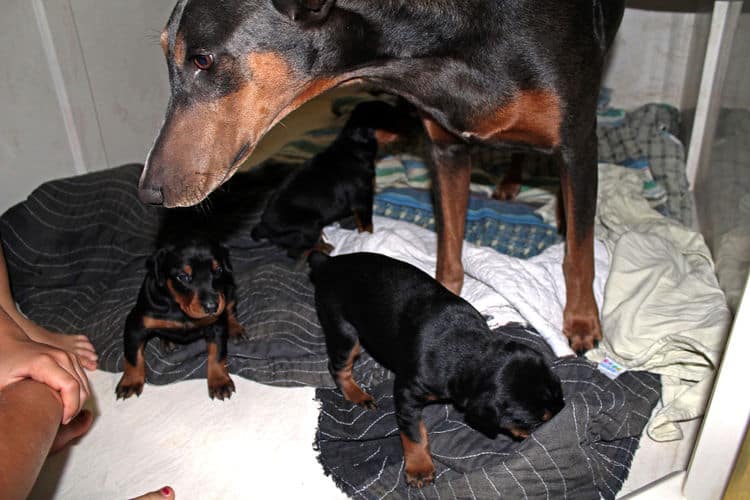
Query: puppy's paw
419, 478
127, 388
168, 346
237, 333
220, 388
358, 396
367, 402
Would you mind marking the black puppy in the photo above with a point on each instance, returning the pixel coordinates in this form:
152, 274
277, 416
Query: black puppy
336, 183
438, 346
188, 293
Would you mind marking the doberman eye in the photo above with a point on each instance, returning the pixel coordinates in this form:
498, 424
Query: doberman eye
203, 61
218, 271
184, 277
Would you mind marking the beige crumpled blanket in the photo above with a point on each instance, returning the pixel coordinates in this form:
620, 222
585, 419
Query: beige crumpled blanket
663, 308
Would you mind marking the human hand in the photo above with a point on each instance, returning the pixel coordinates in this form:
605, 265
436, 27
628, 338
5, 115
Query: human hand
23, 358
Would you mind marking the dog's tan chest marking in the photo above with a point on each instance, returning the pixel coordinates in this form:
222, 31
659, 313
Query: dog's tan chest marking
531, 116
183, 301
151, 323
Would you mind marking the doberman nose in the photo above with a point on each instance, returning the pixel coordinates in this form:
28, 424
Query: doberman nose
210, 306
151, 196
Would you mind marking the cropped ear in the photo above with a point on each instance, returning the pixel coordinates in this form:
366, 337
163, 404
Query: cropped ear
155, 266
305, 12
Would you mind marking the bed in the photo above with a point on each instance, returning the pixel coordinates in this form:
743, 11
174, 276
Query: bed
76, 251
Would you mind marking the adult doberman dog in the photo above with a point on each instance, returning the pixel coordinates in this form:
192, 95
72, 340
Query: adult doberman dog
518, 72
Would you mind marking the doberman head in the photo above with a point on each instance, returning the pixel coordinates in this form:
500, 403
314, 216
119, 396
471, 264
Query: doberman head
236, 68
196, 274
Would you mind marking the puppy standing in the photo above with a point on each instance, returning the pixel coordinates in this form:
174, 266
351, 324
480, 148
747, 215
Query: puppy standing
336, 183
187, 294
438, 346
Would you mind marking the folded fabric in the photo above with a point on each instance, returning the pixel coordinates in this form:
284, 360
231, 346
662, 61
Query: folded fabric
508, 227
663, 309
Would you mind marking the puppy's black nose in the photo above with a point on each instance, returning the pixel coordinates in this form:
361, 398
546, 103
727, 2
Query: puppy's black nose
151, 196
210, 306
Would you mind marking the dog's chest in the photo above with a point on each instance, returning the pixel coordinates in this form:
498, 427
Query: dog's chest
532, 117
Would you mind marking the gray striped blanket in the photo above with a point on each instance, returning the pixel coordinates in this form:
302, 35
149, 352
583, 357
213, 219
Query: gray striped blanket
585, 451
76, 252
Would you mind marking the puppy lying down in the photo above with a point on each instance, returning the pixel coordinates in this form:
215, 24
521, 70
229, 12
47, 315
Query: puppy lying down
438, 346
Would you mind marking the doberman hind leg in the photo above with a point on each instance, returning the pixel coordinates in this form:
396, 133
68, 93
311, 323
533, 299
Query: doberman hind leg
342, 344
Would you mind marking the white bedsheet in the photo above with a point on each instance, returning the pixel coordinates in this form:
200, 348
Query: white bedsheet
501, 287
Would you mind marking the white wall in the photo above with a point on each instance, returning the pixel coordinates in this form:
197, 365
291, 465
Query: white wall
649, 58
83, 87
98, 99
33, 141
126, 71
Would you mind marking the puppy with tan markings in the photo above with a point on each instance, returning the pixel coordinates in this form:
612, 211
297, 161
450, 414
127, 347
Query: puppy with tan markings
188, 294
336, 183
438, 346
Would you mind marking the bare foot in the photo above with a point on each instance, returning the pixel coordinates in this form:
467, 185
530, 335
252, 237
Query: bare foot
73, 430
79, 345
166, 493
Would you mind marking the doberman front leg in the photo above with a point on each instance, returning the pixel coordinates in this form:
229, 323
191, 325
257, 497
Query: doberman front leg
134, 377
578, 179
451, 176
220, 384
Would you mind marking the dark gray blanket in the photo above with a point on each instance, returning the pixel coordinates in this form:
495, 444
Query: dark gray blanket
584, 452
76, 252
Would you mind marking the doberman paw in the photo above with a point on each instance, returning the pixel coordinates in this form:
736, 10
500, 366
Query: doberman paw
584, 333
221, 388
368, 402
126, 389
507, 192
420, 478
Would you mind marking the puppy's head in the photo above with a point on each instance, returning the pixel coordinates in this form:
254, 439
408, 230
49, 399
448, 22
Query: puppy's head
196, 273
386, 122
521, 394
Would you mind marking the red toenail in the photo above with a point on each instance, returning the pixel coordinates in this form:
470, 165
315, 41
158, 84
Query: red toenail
166, 491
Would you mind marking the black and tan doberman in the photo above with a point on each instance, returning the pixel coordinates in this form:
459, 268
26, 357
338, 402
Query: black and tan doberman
519, 72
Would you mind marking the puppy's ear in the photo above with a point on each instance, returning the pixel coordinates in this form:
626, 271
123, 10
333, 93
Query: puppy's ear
483, 414
226, 263
304, 12
156, 268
